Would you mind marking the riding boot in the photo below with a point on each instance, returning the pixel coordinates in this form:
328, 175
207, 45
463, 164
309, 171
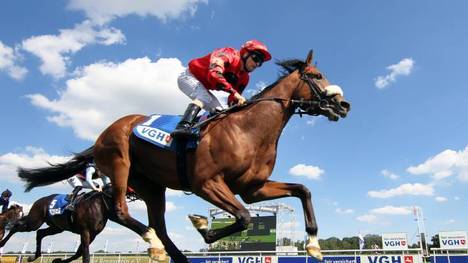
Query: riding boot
71, 206
184, 127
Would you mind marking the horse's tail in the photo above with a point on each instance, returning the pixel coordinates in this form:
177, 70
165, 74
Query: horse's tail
55, 172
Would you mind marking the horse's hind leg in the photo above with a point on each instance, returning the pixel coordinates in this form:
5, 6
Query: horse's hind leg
116, 163
155, 198
112, 157
40, 234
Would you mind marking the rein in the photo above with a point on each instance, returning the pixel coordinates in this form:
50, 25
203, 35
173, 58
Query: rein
320, 102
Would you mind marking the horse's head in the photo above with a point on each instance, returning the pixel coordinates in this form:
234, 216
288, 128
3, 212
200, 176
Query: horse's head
15, 212
316, 96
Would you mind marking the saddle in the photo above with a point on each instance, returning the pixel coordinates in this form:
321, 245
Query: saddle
156, 129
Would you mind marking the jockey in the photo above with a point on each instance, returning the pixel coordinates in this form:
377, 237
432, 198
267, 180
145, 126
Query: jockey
89, 178
224, 69
5, 200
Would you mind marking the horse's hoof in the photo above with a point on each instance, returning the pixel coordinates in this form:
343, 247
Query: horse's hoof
314, 252
157, 254
198, 221
57, 260
31, 258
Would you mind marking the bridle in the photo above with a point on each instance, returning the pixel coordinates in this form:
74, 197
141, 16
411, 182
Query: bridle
315, 106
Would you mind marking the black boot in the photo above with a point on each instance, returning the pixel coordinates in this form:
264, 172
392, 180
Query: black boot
71, 199
184, 127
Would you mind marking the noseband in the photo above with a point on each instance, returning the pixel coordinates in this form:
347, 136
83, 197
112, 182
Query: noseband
313, 106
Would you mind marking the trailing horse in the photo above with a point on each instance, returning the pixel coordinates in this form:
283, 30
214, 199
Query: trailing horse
13, 213
89, 218
235, 156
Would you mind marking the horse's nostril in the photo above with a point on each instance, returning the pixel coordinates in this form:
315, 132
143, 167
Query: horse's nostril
345, 105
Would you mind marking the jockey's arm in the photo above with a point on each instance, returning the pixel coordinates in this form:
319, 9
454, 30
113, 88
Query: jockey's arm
89, 177
215, 73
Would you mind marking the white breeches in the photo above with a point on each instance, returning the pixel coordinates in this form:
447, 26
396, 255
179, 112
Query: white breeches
194, 89
75, 181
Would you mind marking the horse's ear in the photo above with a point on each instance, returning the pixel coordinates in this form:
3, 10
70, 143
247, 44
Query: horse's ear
310, 57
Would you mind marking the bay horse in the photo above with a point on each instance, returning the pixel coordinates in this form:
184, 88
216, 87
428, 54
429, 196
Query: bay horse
13, 213
235, 156
90, 216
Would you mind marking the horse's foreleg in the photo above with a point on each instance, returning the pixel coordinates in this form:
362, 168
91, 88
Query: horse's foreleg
83, 249
41, 233
274, 190
218, 193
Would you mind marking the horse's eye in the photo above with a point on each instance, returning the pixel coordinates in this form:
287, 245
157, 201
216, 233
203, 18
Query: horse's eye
318, 76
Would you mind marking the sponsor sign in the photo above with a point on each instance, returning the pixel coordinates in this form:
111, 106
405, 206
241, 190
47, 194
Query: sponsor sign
326, 259
394, 241
453, 239
209, 260
391, 259
450, 259
255, 259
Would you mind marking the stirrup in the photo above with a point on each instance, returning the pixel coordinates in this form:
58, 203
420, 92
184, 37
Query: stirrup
184, 132
70, 208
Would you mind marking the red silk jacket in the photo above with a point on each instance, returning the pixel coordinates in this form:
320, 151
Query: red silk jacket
221, 70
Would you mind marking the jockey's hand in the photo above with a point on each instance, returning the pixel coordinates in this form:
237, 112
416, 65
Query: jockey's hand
240, 99
98, 188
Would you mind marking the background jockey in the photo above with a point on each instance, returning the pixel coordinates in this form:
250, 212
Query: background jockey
89, 178
5, 200
223, 69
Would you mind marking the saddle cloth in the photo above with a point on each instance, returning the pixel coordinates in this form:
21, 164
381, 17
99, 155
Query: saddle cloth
157, 129
58, 204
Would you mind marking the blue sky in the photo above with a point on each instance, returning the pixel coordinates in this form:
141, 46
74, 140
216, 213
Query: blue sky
69, 68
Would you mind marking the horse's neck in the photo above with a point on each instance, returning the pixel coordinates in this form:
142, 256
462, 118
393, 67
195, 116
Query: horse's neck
271, 116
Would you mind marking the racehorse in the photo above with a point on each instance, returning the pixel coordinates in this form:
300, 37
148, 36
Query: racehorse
88, 219
235, 156
13, 213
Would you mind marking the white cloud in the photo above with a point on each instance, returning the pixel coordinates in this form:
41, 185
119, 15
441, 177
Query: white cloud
392, 210
32, 157
309, 171
139, 205
170, 206
55, 50
344, 211
311, 122
404, 68
368, 218
103, 92
377, 215
171, 192
404, 189
8, 62
444, 164
441, 199
105, 10
389, 174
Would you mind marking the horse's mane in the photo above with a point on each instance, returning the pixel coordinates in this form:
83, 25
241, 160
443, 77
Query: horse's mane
288, 66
